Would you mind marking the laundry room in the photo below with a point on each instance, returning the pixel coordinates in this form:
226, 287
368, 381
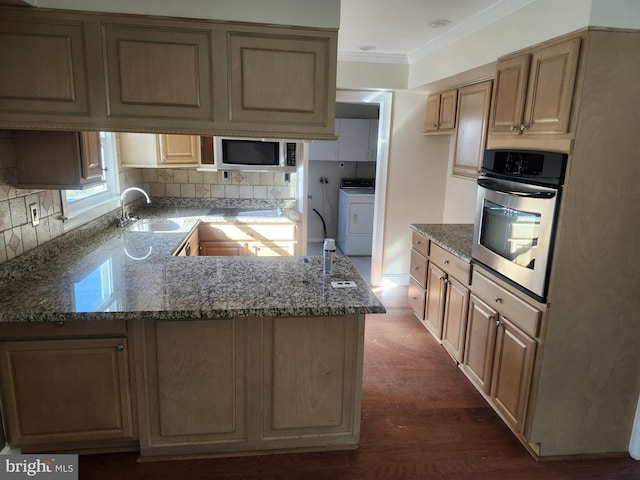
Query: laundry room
341, 186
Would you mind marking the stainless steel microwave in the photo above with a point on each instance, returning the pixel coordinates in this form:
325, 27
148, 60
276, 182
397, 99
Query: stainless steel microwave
255, 155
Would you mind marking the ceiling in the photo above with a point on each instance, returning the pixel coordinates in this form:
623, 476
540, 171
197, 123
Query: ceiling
400, 30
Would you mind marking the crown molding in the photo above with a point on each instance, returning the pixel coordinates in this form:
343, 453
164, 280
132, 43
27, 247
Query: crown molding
373, 57
497, 11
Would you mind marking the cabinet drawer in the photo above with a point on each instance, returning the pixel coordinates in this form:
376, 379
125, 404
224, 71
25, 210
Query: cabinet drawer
416, 298
451, 264
420, 244
418, 269
520, 313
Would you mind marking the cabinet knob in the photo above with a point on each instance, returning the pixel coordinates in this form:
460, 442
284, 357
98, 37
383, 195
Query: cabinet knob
497, 299
498, 323
515, 129
435, 125
523, 127
119, 347
416, 268
491, 316
418, 242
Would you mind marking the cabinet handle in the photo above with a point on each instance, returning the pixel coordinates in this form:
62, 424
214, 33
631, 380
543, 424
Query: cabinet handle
515, 129
446, 262
497, 299
418, 242
416, 268
119, 347
523, 127
436, 125
414, 299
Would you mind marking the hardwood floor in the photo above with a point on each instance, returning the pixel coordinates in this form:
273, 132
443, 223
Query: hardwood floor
421, 418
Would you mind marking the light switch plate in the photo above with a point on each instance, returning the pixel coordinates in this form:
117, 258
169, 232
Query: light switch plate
35, 216
344, 284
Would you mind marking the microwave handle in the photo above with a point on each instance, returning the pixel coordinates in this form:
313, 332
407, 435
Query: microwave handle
496, 187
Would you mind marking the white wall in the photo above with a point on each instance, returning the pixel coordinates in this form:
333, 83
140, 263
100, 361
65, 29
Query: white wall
324, 14
365, 75
324, 198
460, 197
415, 184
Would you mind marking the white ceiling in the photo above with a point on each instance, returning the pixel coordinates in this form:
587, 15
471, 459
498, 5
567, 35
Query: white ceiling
400, 31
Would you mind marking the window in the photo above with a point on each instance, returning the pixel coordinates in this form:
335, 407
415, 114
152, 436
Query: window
82, 206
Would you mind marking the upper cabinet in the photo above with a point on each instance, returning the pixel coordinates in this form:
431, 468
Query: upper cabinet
149, 150
65, 160
281, 80
471, 135
99, 71
45, 70
158, 71
533, 91
441, 112
357, 142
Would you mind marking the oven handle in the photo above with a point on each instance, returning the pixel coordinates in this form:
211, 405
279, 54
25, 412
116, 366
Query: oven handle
496, 187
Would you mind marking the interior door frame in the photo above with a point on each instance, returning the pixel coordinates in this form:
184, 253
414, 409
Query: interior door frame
384, 100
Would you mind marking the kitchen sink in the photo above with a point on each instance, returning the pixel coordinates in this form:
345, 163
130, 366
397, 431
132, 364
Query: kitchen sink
150, 226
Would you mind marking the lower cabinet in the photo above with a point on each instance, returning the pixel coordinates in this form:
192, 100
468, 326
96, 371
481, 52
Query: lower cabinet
195, 385
455, 318
66, 393
435, 298
249, 384
238, 239
499, 360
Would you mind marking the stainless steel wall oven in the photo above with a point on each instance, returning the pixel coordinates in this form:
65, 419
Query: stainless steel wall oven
516, 215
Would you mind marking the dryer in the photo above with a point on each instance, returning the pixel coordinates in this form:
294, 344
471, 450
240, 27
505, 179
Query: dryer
355, 216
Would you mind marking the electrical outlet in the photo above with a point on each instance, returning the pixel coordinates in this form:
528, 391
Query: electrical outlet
344, 284
35, 216
226, 178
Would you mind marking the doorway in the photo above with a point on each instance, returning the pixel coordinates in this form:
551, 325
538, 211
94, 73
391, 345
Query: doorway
327, 192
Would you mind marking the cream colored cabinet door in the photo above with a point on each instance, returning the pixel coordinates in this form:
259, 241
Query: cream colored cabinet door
512, 372
222, 249
70, 392
480, 344
195, 383
148, 150
455, 318
471, 135
354, 140
179, 149
281, 81
435, 296
272, 249
325, 149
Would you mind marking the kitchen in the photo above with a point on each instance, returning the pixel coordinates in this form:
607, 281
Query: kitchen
439, 201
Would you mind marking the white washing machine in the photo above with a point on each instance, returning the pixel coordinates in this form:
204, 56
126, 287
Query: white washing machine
355, 216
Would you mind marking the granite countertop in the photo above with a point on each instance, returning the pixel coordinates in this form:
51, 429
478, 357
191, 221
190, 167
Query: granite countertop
454, 238
122, 273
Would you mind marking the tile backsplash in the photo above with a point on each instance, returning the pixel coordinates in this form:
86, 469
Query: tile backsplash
191, 183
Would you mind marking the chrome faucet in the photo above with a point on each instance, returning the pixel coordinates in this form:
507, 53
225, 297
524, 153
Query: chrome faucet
124, 216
